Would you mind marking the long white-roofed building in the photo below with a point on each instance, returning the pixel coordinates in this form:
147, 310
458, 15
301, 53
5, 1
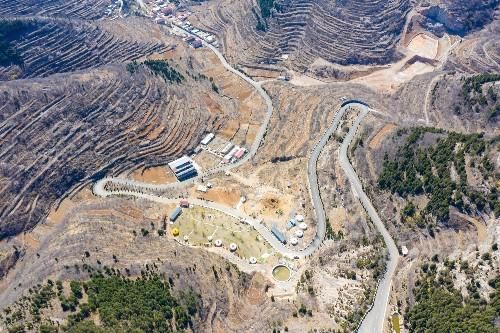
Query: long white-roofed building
206, 140
183, 168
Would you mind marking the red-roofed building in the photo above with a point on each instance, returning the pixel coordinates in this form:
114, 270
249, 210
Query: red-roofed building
240, 153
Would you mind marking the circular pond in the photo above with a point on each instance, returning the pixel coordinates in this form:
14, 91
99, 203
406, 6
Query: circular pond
281, 273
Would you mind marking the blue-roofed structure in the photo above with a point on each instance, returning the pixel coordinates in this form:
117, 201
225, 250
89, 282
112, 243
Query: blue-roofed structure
183, 168
175, 214
278, 234
186, 174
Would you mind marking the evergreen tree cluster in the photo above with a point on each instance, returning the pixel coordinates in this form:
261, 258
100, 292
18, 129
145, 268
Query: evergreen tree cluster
473, 98
440, 308
158, 67
122, 304
417, 170
9, 31
265, 7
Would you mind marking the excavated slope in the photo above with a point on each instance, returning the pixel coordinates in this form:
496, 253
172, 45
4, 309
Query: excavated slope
461, 17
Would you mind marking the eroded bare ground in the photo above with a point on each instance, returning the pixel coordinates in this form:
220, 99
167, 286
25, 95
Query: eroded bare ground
338, 285
104, 120
83, 136
109, 121
333, 284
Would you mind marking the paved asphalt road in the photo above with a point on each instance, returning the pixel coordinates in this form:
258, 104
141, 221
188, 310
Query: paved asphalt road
286, 251
375, 318
313, 176
220, 168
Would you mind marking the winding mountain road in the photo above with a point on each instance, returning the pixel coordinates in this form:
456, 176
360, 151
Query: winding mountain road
100, 190
375, 318
312, 175
220, 168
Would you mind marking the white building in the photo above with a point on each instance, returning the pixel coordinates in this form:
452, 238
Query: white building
206, 140
227, 158
227, 148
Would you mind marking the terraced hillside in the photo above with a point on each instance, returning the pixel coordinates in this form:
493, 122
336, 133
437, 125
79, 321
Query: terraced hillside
63, 131
48, 46
343, 32
479, 52
85, 9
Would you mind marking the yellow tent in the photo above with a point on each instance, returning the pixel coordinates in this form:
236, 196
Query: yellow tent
175, 232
